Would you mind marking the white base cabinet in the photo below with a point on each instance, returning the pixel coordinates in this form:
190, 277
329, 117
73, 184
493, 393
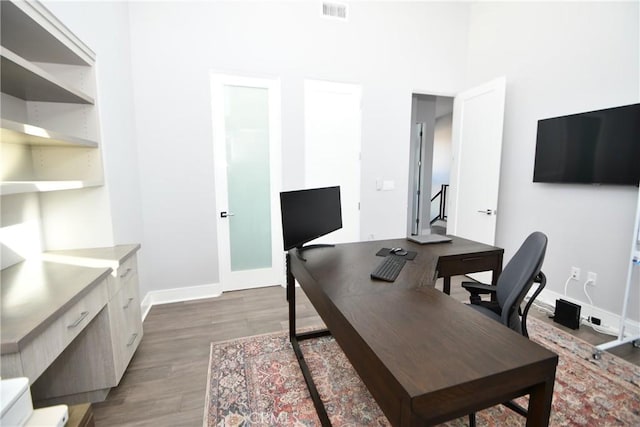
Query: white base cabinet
125, 316
76, 346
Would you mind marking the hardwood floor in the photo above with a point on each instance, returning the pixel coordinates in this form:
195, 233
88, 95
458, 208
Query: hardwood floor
165, 383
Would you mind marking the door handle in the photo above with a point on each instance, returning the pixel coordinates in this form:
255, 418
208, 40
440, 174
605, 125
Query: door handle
225, 214
488, 212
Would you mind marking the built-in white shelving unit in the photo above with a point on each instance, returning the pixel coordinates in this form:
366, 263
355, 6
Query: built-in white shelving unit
49, 137
56, 226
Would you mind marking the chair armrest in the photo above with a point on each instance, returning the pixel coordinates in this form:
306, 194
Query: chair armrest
478, 288
475, 289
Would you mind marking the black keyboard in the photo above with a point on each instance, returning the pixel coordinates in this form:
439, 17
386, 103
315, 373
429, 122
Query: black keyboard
389, 268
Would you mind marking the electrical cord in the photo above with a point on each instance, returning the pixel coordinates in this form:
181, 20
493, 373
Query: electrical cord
588, 321
566, 284
598, 328
543, 309
584, 288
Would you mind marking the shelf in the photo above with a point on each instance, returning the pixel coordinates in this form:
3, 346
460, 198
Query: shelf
29, 29
18, 187
24, 80
21, 133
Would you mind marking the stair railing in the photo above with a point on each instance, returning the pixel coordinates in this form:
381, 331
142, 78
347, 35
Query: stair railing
441, 196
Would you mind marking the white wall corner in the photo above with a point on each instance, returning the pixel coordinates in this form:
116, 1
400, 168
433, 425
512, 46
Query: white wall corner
166, 296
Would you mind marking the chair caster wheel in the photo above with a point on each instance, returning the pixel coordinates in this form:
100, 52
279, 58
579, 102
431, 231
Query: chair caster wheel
636, 343
597, 355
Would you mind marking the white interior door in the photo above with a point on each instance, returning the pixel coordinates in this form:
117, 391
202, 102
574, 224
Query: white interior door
332, 119
478, 116
246, 131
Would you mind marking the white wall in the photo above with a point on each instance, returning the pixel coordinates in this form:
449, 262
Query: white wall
391, 50
104, 27
561, 58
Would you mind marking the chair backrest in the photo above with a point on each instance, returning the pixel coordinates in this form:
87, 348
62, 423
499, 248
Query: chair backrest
518, 275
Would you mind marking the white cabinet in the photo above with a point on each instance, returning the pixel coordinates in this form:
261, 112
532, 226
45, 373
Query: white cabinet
70, 334
125, 315
49, 121
71, 322
54, 314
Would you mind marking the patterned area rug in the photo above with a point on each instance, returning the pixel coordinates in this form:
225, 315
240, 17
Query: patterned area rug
256, 381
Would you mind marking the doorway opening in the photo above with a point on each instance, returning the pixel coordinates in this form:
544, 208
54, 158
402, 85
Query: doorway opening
430, 163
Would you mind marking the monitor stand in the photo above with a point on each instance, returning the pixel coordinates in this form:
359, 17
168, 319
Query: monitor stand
302, 249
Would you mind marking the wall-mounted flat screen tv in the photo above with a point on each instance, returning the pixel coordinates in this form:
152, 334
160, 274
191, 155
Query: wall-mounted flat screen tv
309, 214
595, 147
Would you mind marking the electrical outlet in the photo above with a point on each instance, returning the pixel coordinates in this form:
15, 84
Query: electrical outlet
592, 278
575, 273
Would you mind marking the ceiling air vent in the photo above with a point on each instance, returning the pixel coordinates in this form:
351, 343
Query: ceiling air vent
334, 10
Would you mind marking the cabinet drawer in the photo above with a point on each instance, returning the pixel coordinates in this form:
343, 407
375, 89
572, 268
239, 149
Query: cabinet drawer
123, 274
38, 354
126, 325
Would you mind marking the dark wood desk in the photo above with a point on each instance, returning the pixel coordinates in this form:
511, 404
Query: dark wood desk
424, 357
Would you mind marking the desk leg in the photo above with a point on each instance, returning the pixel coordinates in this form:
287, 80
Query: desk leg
291, 298
540, 404
295, 337
446, 285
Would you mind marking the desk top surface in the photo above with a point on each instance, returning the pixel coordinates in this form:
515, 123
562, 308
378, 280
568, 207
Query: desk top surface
345, 268
428, 341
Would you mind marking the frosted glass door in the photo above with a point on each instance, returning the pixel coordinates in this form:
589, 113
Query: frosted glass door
246, 142
248, 187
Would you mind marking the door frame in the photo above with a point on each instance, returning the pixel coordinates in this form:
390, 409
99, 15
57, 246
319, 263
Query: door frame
275, 275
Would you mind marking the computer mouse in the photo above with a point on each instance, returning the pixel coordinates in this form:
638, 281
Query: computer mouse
398, 251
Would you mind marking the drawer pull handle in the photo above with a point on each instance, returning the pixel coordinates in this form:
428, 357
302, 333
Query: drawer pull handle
80, 319
132, 340
126, 273
124, 307
472, 259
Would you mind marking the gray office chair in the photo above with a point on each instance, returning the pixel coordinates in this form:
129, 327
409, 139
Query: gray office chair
518, 276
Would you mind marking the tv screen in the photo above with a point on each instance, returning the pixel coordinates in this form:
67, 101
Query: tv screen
596, 147
309, 214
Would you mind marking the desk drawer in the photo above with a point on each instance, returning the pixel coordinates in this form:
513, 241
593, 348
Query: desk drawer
459, 265
38, 354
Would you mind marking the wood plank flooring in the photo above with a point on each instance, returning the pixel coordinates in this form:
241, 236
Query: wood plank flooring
165, 383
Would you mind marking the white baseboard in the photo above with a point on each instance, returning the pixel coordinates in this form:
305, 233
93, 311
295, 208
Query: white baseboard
166, 296
609, 320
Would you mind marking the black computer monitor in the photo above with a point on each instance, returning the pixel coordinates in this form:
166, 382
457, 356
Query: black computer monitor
309, 214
